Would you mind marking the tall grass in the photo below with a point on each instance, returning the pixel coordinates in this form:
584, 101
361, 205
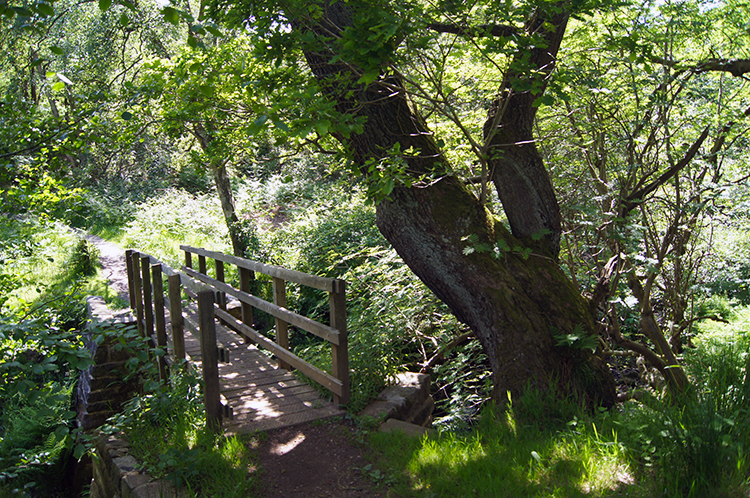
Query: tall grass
544, 446
507, 455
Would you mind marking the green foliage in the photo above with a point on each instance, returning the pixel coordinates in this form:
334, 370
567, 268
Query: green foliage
167, 433
505, 457
85, 259
162, 223
38, 373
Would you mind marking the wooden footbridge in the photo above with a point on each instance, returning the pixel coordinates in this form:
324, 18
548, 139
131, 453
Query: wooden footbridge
245, 390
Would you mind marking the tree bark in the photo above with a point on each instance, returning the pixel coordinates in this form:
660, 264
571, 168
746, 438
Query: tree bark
223, 190
515, 301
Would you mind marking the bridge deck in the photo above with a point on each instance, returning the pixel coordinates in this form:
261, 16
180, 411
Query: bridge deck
262, 396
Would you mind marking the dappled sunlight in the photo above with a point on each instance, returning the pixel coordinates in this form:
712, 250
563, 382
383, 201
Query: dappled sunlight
512, 460
285, 447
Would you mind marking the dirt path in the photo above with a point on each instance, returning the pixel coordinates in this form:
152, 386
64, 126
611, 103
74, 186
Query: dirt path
112, 258
314, 460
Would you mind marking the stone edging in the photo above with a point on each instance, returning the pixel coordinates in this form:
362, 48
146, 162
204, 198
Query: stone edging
116, 473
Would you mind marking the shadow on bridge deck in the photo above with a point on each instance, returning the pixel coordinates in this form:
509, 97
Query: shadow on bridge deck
262, 396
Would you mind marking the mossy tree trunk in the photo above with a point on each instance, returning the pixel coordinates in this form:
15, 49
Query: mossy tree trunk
517, 300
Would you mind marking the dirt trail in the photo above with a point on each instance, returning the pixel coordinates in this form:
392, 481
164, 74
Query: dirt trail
314, 460
112, 258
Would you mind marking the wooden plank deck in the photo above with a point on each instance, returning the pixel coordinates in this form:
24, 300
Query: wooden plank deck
262, 396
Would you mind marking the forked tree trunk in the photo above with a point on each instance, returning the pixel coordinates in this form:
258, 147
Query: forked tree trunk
518, 304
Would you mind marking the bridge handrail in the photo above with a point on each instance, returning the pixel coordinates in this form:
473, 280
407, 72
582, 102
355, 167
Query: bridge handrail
322, 283
210, 294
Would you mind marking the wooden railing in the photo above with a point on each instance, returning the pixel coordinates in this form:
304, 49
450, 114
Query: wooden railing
146, 286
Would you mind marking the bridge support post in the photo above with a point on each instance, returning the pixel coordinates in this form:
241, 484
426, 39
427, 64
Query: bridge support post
209, 360
175, 316
246, 279
148, 308
131, 281
282, 328
136, 263
160, 321
340, 352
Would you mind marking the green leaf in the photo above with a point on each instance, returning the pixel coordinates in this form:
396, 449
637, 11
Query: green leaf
62, 431
104, 4
171, 15
57, 86
192, 41
126, 116
207, 90
214, 31
45, 9
368, 78
124, 19
322, 126
56, 50
22, 11
37, 62
196, 67
79, 451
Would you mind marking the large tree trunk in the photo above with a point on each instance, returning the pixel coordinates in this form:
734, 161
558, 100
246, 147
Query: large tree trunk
515, 301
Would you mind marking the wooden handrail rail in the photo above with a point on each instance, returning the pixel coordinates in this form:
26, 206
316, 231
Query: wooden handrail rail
322, 283
323, 331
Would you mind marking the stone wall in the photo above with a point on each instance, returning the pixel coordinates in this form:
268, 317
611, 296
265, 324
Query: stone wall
116, 474
408, 400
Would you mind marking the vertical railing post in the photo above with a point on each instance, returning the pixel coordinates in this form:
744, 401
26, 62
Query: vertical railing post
138, 292
147, 302
246, 278
188, 259
175, 315
202, 268
282, 328
159, 319
222, 296
340, 352
131, 281
209, 360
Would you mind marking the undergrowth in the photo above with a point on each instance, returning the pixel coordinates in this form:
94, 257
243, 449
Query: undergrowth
167, 433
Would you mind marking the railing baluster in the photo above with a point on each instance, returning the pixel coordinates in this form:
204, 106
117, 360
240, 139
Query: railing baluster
131, 282
159, 319
175, 316
282, 328
222, 297
138, 293
246, 278
209, 361
147, 301
340, 352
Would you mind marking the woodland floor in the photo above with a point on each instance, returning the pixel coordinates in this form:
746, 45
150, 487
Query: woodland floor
314, 460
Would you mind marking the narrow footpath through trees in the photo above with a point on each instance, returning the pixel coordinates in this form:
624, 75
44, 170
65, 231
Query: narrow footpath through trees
315, 460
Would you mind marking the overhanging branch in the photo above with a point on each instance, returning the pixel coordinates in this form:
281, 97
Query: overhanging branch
636, 197
737, 67
482, 30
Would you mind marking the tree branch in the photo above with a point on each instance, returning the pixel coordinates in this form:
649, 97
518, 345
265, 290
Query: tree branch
473, 31
737, 67
636, 197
